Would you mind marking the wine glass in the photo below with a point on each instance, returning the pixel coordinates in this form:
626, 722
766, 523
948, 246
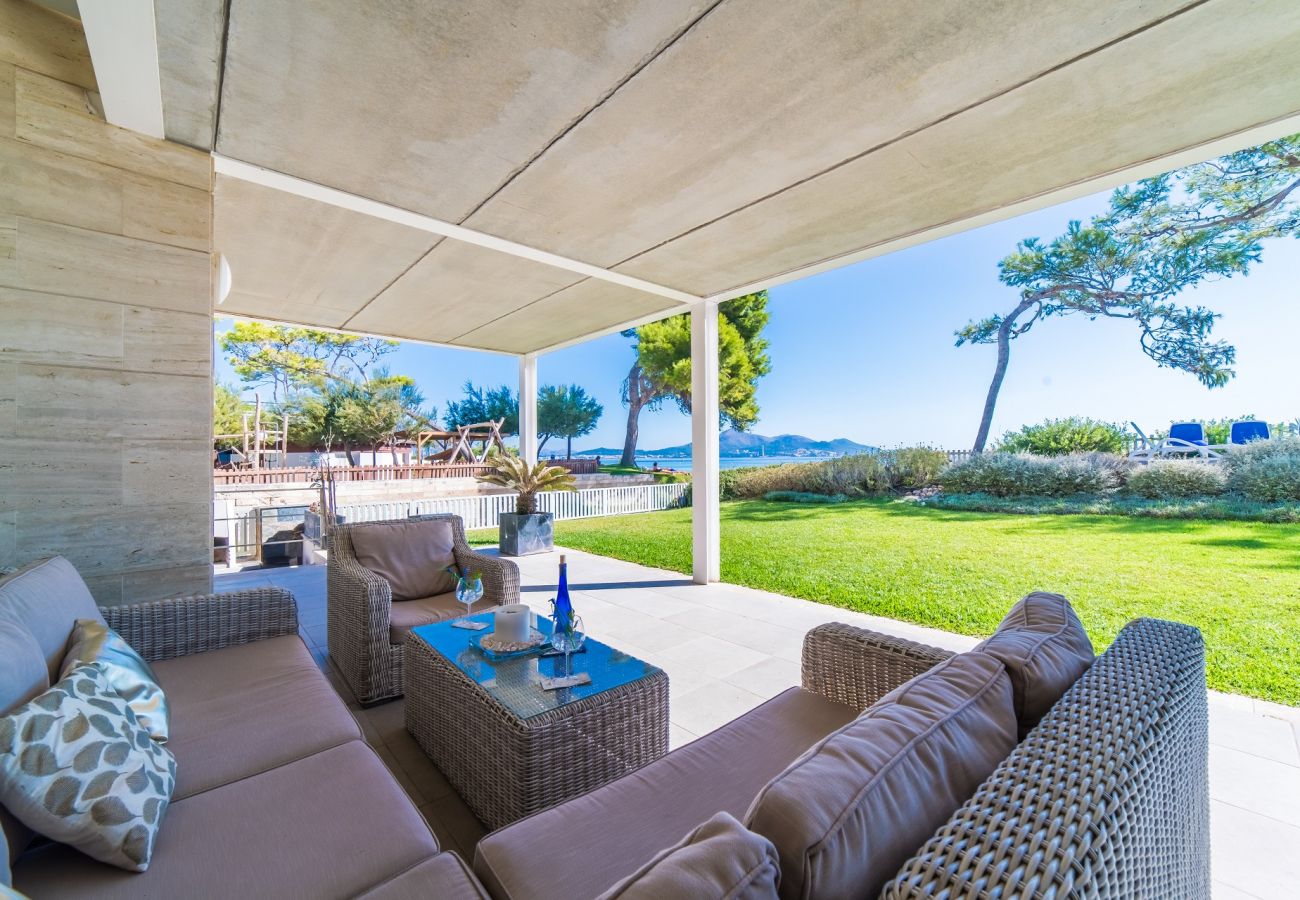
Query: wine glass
469, 589
569, 640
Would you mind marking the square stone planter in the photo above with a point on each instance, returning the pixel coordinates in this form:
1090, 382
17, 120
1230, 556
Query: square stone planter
521, 535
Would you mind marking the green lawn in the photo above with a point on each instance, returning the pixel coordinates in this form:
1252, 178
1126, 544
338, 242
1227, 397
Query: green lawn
1239, 582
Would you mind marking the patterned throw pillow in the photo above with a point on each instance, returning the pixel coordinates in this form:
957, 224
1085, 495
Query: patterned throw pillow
126, 670
77, 767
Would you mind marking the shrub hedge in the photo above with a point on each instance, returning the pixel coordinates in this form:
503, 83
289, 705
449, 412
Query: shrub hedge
1266, 471
859, 475
1020, 474
1059, 437
1168, 479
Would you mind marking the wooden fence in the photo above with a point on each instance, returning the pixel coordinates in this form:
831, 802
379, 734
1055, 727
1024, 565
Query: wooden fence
308, 474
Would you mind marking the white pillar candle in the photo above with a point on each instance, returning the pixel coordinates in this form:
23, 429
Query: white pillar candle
513, 622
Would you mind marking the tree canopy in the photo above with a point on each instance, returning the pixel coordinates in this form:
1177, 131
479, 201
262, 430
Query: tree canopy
566, 411
662, 370
347, 414
1158, 237
228, 410
484, 405
291, 359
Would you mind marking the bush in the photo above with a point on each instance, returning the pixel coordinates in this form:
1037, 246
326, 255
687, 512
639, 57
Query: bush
859, 475
1266, 471
1058, 437
1020, 474
803, 497
913, 468
1166, 479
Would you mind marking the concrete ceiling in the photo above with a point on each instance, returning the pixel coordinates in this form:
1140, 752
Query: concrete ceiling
702, 146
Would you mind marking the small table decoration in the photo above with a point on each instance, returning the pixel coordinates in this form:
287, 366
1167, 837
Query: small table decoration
469, 590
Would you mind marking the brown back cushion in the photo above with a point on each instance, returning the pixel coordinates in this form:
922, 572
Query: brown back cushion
1045, 649
848, 813
411, 556
48, 597
720, 859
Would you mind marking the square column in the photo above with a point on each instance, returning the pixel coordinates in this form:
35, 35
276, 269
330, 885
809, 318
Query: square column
706, 551
528, 407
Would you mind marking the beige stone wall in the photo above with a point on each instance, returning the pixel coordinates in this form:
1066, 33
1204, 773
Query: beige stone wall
105, 328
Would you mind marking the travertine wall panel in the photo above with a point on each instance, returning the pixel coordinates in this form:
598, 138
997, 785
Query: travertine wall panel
105, 329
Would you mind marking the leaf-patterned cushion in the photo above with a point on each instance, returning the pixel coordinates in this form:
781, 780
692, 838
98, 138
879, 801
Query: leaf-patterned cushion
77, 767
126, 671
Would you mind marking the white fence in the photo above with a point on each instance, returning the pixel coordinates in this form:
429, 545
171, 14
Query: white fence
482, 511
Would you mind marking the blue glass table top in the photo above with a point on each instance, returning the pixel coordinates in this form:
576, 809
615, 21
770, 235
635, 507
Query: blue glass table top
516, 682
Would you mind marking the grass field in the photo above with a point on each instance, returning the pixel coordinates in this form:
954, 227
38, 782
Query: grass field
1239, 582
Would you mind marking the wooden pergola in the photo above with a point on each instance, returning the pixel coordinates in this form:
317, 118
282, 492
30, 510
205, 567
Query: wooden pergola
463, 444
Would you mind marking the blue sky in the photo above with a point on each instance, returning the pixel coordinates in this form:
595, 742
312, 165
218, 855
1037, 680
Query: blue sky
866, 352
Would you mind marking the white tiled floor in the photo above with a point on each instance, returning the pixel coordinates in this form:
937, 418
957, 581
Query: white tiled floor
727, 648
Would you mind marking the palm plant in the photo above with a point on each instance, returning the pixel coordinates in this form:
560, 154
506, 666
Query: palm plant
527, 481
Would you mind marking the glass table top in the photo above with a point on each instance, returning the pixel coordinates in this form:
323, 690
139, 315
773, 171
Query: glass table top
516, 682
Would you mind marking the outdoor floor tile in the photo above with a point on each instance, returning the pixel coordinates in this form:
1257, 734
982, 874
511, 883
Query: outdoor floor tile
1253, 783
1221, 891
648, 601
711, 705
1274, 739
424, 775
678, 736
768, 677
1254, 853
762, 637
456, 821
713, 656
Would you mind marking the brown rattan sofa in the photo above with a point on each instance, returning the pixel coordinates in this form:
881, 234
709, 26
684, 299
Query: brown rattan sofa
277, 794
366, 628
1107, 797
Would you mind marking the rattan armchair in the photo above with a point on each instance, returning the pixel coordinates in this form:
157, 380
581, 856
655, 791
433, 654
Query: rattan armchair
360, 605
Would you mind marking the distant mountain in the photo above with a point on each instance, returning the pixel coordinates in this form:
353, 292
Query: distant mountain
744, 444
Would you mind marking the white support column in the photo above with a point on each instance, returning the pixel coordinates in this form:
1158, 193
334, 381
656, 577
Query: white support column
706, 551
528, 407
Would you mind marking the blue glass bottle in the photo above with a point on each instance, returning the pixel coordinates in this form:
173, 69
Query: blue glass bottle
562, 617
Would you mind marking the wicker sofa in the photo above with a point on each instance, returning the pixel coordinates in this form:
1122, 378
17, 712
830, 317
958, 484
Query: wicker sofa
366, 629
1107, 797
276, 791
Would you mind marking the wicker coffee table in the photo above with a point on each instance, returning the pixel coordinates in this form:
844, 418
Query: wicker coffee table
510, 748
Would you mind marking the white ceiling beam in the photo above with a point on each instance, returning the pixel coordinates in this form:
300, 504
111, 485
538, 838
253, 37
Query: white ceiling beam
123, 46
224, 165
441, 345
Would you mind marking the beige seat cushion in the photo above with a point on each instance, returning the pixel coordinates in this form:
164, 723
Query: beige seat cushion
720, 860
245, 709
412, 613
611, 832
411, 556
852, 810
328, 826
445, 877
48, 597
1045, 649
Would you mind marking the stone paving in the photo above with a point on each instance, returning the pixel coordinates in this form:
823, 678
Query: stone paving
728, 648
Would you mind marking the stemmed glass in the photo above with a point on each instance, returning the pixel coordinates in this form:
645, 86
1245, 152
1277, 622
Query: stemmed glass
569, 640
469, 590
